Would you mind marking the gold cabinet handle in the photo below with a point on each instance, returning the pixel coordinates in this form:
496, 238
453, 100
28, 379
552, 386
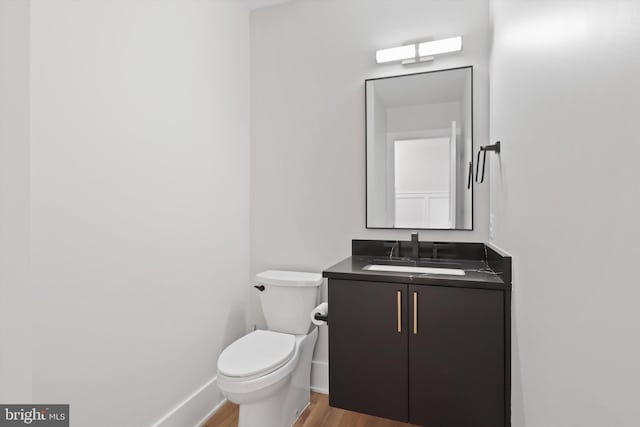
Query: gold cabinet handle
399, 310
415, 313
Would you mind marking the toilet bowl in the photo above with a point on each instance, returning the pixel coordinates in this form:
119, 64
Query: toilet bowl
267, 372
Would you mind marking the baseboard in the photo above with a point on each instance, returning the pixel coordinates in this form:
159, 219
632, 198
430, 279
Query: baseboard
196, 408
211, 412
320, 376
206, 400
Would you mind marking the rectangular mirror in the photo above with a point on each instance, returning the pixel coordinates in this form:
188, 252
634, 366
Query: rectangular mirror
419, 147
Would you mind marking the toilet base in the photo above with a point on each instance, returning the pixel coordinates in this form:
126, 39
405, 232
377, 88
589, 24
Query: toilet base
280, 404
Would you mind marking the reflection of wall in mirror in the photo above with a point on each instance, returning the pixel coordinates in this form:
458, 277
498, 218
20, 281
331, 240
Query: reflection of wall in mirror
429, 205
378, 211
427, 118
464, 202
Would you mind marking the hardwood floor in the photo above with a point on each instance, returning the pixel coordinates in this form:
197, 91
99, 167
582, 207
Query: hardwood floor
317, 414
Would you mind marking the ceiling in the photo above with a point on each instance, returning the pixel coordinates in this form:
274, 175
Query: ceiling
258, 4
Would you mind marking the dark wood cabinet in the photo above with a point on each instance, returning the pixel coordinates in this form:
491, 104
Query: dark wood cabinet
430, 355
368, 348
456, 357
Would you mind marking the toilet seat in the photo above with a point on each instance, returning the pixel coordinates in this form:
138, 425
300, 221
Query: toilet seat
273, 399
256, 354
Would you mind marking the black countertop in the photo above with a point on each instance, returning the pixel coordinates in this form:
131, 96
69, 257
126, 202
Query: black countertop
492, 271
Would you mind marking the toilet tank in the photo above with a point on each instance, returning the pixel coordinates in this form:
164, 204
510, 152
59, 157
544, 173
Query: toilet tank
288, 298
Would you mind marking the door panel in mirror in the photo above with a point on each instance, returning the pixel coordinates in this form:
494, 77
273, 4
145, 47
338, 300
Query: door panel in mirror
419, 148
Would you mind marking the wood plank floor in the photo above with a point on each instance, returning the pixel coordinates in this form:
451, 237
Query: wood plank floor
317, 414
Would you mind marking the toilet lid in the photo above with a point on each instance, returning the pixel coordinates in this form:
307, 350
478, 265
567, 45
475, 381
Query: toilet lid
259, 352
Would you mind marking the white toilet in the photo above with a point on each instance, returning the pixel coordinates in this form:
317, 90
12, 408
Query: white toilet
268, 372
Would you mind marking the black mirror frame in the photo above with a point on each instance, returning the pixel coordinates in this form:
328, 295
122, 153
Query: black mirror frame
366, 184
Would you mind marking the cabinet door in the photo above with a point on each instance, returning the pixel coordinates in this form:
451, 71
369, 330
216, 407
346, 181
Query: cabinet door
456, 357
368, 369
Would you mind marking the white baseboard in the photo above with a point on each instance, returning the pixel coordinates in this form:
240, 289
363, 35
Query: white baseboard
205, 401
211, 412
196, 408
320, 376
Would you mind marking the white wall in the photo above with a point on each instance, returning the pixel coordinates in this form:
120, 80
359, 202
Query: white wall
309, 62
565, 98
139, 203
15, 314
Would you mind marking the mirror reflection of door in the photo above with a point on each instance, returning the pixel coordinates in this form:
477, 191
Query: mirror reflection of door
423, 195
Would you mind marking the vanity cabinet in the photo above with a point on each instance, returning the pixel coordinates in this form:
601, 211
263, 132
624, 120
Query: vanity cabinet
425, 354
368, 348
456, 357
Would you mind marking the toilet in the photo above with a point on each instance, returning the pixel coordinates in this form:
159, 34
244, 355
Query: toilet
268, 372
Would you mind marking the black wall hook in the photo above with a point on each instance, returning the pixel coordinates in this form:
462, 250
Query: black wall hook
495, 147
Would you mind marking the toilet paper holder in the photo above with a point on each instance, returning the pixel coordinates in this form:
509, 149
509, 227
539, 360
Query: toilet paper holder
321, 317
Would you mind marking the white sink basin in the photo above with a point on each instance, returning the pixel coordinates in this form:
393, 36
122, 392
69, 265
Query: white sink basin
410, 269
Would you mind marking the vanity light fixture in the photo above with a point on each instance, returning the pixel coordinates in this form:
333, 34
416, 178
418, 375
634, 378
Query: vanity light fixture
419, 52
453, 44
396, 54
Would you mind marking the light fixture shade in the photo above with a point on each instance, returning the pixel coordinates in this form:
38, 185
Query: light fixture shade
396, 53
436, 47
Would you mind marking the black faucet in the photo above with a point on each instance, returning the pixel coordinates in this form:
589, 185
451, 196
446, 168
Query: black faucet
394, 248
415, 245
